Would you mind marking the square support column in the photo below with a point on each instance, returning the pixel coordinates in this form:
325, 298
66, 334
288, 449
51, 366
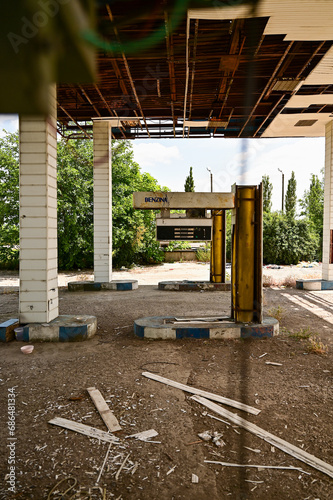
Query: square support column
327, 272
38, 216
102, 202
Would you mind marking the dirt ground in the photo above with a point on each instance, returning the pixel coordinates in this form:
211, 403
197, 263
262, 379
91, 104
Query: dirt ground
295, 398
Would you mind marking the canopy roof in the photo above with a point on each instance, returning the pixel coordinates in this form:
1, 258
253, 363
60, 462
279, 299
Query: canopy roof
173, 69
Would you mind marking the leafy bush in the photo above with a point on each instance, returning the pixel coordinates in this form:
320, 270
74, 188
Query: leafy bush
177, 245
287, 240
203, 254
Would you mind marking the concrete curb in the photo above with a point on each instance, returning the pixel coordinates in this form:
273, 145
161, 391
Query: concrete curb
158, 327
91, 286
194, 286
61, 329
7, 333
314, 284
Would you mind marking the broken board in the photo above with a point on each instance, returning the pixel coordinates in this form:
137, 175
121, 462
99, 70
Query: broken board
199, 392
108, 417
283, 445
84, 429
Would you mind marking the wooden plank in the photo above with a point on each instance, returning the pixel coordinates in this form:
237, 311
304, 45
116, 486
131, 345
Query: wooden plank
199, 392
84, 429
143, 436
103, 409
227, 464
283, 445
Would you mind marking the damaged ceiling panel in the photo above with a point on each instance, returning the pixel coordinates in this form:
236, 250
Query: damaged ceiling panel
226, 70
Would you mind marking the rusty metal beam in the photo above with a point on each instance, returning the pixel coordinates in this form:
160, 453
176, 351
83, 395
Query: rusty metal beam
266, 87
269, 114
89, 100
195, 43
128, 72
73, 120
187, 69
171, 64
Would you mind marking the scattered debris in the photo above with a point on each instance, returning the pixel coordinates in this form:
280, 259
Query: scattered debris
255, 450
208, 395
103, 464
219, 419
67, 480
84, 429
270, 438
205, 436
212, 436
121, 467
75, 398
195, 478
171, 470
144, 436
103, 409
273, 363
227, 464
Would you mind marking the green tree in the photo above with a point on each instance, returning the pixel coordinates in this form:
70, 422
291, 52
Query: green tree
267, 188
189, 182
312, 205
291, 198
75, 204
9, 200
133, 230
287, 240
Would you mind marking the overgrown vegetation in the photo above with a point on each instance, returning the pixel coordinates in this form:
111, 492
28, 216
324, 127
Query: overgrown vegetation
133, 230
313, 343
289, 238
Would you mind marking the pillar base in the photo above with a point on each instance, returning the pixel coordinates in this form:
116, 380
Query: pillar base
93, 286
7, 330
194, 286
315, 284
158, 327
61, 329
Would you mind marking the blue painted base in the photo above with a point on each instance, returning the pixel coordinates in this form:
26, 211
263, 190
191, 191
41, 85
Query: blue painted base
92, 286
7, 330
315, 284
62, 329
159, 327
194, 286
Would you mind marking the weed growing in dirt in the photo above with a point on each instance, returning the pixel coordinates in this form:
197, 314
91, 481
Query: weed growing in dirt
287, 282
303, 333
316, 346
276, 312
267, 281
203, 254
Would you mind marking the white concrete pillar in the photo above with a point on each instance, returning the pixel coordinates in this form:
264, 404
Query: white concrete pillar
38, 216
102, 202
327, 273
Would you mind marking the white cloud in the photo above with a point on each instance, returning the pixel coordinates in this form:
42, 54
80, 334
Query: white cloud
9, 123
152, 153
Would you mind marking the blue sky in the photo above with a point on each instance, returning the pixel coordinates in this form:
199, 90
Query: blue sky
243, 161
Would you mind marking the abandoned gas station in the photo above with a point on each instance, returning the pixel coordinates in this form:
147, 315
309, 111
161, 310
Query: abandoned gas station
168, 69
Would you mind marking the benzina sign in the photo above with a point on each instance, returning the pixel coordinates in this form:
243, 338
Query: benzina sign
156, 199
